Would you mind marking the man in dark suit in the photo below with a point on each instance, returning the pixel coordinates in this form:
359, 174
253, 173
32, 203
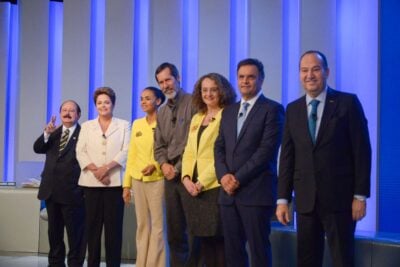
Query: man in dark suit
326, 160
245, 161
59, 186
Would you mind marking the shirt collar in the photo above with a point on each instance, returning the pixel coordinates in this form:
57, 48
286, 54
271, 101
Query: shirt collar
252, 100
71, 129
321, 97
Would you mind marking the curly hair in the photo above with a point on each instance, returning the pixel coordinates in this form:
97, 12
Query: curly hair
226, 92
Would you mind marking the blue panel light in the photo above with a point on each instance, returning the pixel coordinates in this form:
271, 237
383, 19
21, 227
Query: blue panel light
11, 96
97, 25
389, 142
190, 57
140, 52
54, 58
357, 72
238, 35
290, 50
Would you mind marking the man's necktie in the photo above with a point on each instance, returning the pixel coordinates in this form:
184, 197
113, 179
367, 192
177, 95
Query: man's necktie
312, 119
242, 116
64, 140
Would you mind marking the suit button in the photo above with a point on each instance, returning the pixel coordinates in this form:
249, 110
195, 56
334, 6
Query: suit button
103, 153
104, 143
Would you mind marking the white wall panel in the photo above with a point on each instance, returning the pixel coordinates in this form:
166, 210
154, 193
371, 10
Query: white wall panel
318, 31
33, 66
265, 30
76, 53
214, 34
165, 35
118, 49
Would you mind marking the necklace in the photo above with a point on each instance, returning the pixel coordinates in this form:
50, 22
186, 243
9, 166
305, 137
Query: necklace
210, 116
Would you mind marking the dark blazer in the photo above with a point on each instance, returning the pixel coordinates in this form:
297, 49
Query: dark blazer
251, 157
61, 171
337, 166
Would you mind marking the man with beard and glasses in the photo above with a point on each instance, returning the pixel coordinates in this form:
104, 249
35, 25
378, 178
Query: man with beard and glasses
59, 187
171, 133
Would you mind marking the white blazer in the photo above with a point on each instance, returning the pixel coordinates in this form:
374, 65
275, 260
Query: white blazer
93, 147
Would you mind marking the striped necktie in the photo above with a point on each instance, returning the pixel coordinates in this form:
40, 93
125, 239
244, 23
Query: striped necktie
64, 140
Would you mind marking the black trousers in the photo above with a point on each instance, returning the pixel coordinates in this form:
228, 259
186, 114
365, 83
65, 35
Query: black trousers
72, 217
311, 230
104, 207
184, 249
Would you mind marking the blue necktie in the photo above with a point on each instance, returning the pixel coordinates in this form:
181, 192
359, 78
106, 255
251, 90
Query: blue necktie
312, 119
242, 116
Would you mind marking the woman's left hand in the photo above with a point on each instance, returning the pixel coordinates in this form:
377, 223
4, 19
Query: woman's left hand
105, 180
190, 187
148, 170
101, 172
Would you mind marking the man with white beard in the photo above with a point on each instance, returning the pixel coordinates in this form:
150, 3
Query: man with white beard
173, 121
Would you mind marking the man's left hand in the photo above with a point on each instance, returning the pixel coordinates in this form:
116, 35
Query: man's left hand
359, 209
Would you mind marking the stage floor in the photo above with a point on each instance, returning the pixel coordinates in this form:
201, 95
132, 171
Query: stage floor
17, 259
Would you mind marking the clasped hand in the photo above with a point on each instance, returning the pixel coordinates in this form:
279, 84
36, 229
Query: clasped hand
229, 183
101, 173
194, 189
168, 170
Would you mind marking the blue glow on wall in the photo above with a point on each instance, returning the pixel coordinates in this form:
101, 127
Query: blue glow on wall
389, 142
190, 56
140, 53
11, 96
357, 72
238, 36
54, 58
97, 24
291, 50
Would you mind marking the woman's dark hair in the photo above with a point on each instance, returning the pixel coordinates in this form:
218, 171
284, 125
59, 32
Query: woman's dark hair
104, 91
157, 93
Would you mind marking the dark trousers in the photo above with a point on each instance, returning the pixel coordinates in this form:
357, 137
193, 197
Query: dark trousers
183, 248
212, 251
242, 223
72, 217
311, 229
104, 206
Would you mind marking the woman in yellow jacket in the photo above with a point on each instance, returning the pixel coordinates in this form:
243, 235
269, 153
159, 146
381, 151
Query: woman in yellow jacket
211, 94
144, 176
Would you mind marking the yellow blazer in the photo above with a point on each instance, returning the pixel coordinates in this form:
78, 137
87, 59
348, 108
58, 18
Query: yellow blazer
141, 153
92, 147
203, 154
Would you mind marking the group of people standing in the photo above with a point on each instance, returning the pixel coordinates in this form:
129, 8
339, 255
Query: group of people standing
202, 169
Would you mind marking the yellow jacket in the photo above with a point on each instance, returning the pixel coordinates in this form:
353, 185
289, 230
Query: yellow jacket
141, 154
203, 154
